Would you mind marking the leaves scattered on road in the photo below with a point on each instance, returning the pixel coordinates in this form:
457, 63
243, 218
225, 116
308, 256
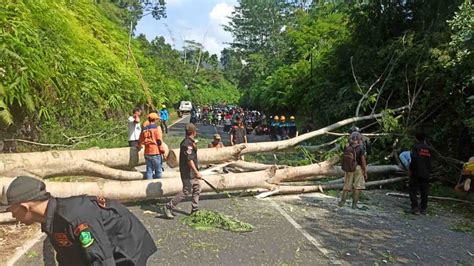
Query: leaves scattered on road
210, 220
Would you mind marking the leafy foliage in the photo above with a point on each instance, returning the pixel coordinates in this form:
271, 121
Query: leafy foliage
65, 64
209, 220
334, 56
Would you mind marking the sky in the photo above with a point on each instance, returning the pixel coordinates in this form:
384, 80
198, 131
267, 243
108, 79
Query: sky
190, 20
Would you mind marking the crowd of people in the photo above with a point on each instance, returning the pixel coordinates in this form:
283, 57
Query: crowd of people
226, 117
231, 118
87, 230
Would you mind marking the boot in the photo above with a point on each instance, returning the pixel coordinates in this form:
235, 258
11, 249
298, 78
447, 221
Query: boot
355, 198
343, 199
168, 212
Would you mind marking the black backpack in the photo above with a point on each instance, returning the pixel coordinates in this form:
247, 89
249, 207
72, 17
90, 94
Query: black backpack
349, 159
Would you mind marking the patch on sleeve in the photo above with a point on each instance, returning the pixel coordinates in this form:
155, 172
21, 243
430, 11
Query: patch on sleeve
62, 240
80, 228
190, 150
86, 239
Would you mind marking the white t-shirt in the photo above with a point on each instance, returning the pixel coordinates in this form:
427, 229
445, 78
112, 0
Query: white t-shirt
134, 129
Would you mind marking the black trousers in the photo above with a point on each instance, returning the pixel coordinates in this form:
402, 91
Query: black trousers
422, 185
164, 126
132, 143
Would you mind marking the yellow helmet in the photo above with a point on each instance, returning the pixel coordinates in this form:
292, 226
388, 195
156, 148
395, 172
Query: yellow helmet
275, 118
292, 118
282, 118
163, 106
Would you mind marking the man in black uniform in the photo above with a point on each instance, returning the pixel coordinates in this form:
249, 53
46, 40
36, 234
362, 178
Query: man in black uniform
190, 176
419, 171
83, 230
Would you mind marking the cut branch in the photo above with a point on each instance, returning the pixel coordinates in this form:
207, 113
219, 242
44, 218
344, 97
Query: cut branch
210, 156
320, 188
107, 163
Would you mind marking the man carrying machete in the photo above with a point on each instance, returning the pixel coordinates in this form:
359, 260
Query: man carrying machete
190, 176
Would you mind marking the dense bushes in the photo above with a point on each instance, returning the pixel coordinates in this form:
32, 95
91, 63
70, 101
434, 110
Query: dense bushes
65, 64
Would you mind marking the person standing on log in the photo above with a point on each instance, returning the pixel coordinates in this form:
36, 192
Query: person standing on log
190, 176
152, 138
419, 171
355, 167
238, 133
164, 115
134, 128
84, 230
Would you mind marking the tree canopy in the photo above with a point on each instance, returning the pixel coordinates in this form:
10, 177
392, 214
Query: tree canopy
326, 59
66, 64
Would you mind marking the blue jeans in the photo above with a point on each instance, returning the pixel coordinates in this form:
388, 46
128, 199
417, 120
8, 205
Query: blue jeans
153, 166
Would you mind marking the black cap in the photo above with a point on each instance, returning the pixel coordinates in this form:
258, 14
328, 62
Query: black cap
24, 189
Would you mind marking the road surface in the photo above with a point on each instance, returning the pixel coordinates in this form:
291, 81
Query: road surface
304, 229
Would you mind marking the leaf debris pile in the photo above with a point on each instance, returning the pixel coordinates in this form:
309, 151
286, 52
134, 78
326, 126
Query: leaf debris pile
209, 220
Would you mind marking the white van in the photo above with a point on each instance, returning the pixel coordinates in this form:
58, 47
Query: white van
184, 107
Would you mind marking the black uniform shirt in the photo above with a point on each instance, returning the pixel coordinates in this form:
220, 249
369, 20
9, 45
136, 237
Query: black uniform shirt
420, 165
187, 152
93, 231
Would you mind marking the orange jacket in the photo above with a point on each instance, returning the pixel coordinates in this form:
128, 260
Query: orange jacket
152, 137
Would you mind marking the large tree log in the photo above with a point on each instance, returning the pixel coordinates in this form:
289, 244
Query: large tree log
6, 217
320, 188
145, 189
94, 162
212, 155
243, 166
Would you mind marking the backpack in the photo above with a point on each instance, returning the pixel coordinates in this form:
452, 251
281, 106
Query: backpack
349, 160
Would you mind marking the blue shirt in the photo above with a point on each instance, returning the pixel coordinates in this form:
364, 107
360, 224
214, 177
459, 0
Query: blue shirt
164, 115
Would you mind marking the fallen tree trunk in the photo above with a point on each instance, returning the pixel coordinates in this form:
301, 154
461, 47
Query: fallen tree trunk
211, 155
6, 218
320, 188
149, 189
371, 170
106, 163
243, 166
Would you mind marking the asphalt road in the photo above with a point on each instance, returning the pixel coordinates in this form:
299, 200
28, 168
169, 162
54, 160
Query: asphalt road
304, 229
